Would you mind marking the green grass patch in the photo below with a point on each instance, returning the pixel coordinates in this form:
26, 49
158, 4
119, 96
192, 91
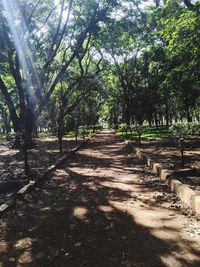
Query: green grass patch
46, 134
150, 132
160, 132
126, 136
70, 135
2, 138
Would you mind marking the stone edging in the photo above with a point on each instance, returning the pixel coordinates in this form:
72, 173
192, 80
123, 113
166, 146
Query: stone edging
11, 203
186, 194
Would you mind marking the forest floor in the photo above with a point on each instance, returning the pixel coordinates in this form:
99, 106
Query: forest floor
11, 160
167, 154
102, 208
40, 158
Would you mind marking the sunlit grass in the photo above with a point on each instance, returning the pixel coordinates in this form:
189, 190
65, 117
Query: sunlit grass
2, 138
46, 134
150, 132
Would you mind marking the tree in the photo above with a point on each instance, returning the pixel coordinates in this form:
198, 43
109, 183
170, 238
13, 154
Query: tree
40, 50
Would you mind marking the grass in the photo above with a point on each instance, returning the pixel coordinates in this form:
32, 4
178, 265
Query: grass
160, 132
2, 138
150, 133
70, 135
46, 134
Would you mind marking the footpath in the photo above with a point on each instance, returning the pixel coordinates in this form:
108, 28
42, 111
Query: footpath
99, 210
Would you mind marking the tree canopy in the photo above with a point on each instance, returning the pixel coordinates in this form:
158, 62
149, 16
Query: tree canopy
118, 61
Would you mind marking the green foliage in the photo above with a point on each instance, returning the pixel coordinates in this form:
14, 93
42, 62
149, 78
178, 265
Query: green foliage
114, 62
185, 129
123, 127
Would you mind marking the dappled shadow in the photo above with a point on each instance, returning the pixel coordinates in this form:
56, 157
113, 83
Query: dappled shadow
40, 158
167, 152
51, 144
90, 216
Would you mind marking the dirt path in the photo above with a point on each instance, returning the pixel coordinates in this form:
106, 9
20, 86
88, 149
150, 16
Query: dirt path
98, 210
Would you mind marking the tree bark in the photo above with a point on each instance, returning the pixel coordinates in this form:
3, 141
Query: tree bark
167, 112
9, 102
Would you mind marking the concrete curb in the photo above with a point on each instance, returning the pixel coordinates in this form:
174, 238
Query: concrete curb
24, 190
9, 204
186, 194
6, 206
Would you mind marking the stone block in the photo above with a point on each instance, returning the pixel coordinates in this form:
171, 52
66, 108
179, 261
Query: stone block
165, 174
174, 185
150, 163
195, 203
157, 167
27, 188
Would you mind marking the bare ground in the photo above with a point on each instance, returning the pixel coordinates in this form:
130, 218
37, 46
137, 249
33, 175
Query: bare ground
167, 154
40, 158
102, 208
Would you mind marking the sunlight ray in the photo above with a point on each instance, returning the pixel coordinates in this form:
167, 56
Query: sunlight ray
20, 35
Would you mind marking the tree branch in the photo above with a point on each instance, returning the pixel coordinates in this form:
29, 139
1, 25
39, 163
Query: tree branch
10, 105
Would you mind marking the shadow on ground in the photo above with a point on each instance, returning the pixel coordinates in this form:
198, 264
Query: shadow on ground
76, 219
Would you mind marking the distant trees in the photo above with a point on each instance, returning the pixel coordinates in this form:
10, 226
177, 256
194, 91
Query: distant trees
154, 54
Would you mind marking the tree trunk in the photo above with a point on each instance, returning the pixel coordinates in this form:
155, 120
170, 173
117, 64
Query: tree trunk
60, 141
167, 112
9, 102
156, 119
197, 115
128, 115
189, 118
26, 140
157, 3
60, 129
7, 127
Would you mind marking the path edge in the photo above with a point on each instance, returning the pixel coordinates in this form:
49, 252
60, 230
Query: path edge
20, 194
184, 192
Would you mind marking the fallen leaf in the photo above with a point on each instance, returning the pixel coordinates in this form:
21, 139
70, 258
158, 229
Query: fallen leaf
11, 259
78, 244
